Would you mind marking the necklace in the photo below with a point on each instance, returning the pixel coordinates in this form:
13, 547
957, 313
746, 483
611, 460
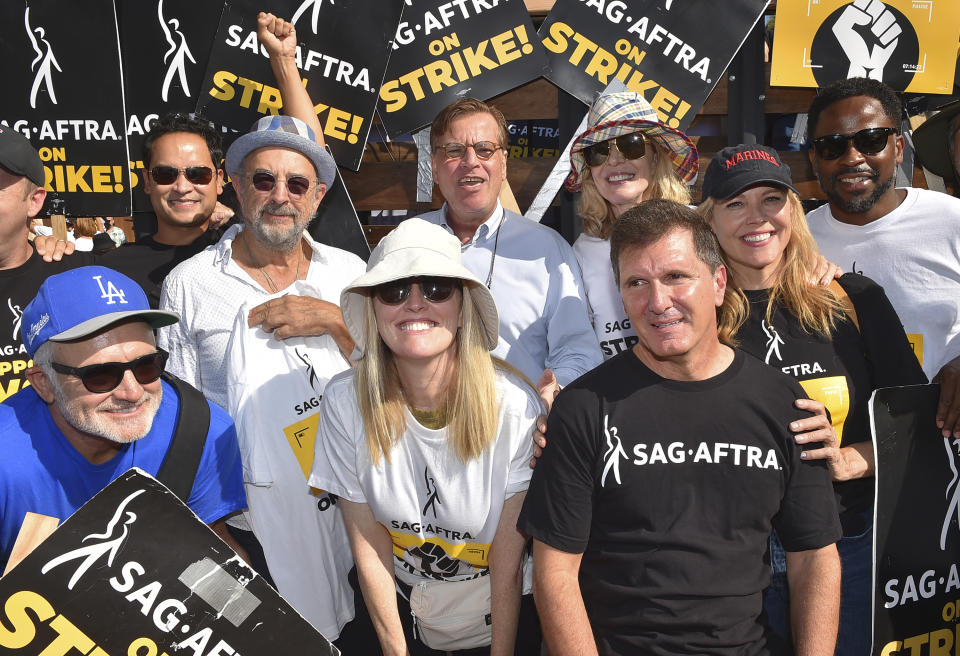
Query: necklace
263, 272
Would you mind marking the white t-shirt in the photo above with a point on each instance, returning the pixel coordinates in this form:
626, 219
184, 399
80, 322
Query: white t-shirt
610, 321
442, 514
274, 392
914, 254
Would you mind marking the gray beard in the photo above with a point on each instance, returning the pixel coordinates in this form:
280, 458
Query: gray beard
277, 240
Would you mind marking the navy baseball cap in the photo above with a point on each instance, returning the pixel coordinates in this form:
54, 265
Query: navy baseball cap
81, 302
19, 157
735, 168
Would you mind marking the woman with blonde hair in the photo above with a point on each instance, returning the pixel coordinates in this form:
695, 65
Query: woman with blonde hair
840, 342
625, 156
426, 442
84, 229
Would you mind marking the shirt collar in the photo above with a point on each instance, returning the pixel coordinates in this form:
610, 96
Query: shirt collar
487, 229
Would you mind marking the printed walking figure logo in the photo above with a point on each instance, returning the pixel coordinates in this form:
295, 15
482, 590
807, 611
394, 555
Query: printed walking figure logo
47, 61
773, 342
108, 545
433, 493
17, 317
314, 17
952, 492
311, 372
180, 51
613, 454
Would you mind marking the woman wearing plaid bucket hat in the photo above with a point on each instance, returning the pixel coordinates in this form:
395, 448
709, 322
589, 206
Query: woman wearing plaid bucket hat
625, 156
426, 442
840, 342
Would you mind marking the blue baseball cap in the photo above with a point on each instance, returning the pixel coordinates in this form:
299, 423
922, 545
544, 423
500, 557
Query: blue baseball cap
83, 301
288, 132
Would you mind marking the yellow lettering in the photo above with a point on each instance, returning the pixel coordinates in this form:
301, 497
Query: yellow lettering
223, 81
24, 629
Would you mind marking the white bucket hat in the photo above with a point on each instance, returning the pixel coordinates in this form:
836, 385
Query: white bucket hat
416, 248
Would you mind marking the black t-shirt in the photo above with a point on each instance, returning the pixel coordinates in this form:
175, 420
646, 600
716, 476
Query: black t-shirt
670, 490
18, 287
148, 262
842, 371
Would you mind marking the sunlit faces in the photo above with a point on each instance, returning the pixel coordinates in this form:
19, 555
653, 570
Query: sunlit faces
753, 228
19, 199
417, 330
671, 298
470, 185
277, 218
182, 203
122, 415
856, 183
623, 182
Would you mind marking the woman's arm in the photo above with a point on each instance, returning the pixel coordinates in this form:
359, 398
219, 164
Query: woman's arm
506, 577
373, 552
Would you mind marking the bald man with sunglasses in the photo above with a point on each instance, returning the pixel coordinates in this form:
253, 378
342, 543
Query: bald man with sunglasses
906, 239
98, 405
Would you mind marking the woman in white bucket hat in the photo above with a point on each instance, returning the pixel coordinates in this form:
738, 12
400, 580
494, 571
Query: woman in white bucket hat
426, 442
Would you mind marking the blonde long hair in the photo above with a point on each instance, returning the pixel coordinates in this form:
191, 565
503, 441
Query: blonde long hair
472, 405
816, 307
597, 213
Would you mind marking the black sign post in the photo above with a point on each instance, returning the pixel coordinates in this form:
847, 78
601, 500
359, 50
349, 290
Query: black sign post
342, 54
61, 69
134, 571
917, 541
672, 52
454, 50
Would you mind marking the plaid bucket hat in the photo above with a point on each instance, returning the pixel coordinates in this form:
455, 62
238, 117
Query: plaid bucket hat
622, 113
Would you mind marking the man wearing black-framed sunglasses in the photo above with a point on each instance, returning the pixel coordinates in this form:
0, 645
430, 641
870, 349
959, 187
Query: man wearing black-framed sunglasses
906, 239
97, 406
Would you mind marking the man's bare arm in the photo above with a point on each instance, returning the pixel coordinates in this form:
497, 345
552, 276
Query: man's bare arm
556, 589
814, 578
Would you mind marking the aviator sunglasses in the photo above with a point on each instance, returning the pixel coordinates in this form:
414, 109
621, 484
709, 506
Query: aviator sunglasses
631, 146
165, 175
869, 142
484, 149
297, 185
435, 290
105, 377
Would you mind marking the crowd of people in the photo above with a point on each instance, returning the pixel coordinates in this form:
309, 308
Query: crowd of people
484, 440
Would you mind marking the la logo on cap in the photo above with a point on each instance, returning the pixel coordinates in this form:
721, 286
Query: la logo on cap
111, 293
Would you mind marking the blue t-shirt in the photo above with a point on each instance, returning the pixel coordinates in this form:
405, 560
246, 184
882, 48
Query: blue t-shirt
41, 472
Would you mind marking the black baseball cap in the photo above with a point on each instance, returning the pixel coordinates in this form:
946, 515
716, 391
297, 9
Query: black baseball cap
735, 168
19, 157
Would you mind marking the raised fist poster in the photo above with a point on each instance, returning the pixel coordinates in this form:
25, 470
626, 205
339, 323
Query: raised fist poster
135, 572
457, 49
908, 44
917, 534
670, 51
60, 63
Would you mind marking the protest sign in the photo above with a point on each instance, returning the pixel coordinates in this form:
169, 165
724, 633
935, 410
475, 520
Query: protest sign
673, 53
457, 49
337, 223
61, 64
135, 572
908, 44
533, 138
342, 54
917, 541
165, 46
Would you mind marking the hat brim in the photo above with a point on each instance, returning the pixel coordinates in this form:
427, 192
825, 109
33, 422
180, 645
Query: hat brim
682, 152
155, 318
321, 159
930, 142
735, 187
408, 263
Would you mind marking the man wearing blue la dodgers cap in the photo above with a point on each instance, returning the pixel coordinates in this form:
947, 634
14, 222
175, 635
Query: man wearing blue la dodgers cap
97, 406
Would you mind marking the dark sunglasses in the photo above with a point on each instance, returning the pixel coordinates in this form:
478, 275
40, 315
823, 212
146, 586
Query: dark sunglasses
435, 290
297, 185
105, 377
484, 149
631, 146
165, 175
869, 142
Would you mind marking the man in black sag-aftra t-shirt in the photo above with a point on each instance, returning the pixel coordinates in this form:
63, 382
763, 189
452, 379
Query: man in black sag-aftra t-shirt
667, 468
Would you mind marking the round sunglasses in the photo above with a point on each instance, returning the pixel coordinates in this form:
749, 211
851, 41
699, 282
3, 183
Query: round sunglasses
165, 175
107, 376
435, 290
484, 149
297, 185
868, 142
631, 146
